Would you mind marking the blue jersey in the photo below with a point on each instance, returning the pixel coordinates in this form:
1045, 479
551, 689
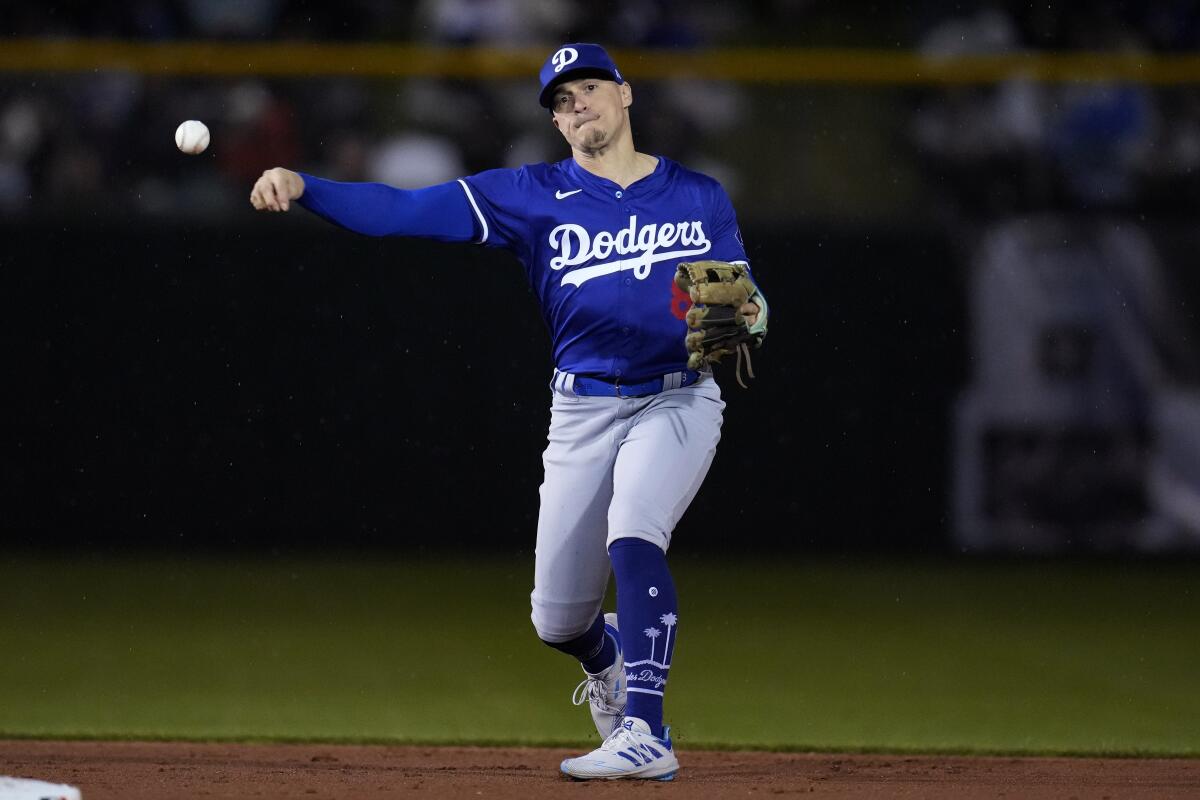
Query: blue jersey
602, 259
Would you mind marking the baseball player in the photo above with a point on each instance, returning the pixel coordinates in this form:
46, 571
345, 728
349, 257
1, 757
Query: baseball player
633, 430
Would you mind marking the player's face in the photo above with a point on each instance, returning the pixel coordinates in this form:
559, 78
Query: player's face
590, 112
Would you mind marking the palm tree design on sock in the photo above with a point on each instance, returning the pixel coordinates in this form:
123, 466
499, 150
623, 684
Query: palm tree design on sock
669, 619
653, 633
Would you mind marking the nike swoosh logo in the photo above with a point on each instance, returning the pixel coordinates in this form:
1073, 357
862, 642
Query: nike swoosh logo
560, 195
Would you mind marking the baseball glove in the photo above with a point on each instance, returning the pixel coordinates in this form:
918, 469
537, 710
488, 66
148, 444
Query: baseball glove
718, 290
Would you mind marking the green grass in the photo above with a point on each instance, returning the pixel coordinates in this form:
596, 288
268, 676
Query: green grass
921, 656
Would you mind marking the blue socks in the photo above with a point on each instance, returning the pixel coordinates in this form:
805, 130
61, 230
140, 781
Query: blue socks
594, 649
648, 613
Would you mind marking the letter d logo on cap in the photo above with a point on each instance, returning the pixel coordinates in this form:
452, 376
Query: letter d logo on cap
563, 58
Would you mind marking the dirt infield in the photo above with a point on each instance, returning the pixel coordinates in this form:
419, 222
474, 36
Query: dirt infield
134, 770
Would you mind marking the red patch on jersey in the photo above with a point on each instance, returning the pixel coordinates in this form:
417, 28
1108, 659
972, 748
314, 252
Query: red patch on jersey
680, 301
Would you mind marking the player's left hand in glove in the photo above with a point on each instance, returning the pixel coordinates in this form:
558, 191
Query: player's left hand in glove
718, 321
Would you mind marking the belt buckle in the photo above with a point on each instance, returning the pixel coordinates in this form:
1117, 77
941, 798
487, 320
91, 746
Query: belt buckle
617, 386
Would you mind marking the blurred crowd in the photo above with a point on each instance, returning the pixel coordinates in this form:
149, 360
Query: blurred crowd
1023, 145
1160, 25
100, 142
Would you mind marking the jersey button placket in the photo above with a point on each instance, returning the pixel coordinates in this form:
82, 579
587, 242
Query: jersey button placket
628, 210
627, 329
624, 300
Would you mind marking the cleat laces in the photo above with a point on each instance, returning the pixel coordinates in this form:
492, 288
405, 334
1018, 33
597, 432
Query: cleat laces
592, 690
624, 743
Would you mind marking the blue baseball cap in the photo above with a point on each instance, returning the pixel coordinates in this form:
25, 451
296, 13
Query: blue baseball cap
571, 61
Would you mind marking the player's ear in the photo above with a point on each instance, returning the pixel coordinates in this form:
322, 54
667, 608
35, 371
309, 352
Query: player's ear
626, 95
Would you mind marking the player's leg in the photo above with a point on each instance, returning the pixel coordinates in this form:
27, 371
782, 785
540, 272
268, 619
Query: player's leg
661, 463
571, 564
663, 458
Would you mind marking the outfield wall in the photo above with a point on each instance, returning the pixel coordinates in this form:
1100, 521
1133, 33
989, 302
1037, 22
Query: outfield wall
293, 383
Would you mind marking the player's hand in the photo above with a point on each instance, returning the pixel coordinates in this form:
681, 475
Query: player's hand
275, 190
750, 312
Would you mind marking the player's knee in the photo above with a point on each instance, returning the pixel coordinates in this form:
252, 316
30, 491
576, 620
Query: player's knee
554, 631
556, 623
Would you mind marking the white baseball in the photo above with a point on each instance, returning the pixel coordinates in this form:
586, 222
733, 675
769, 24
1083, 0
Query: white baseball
192, 137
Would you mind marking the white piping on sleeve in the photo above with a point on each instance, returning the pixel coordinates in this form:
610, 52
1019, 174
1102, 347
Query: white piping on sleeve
478, 214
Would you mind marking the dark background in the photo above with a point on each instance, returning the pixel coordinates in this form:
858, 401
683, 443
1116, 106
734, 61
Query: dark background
182, 373
289, 384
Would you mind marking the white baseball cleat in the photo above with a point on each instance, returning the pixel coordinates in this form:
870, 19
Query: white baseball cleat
630, 752
30, 789
605, 691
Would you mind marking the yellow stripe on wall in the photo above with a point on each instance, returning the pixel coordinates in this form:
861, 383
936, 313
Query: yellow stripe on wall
749, 65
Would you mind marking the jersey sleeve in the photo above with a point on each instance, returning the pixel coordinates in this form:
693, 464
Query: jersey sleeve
374, 209
499, 199
726, 236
